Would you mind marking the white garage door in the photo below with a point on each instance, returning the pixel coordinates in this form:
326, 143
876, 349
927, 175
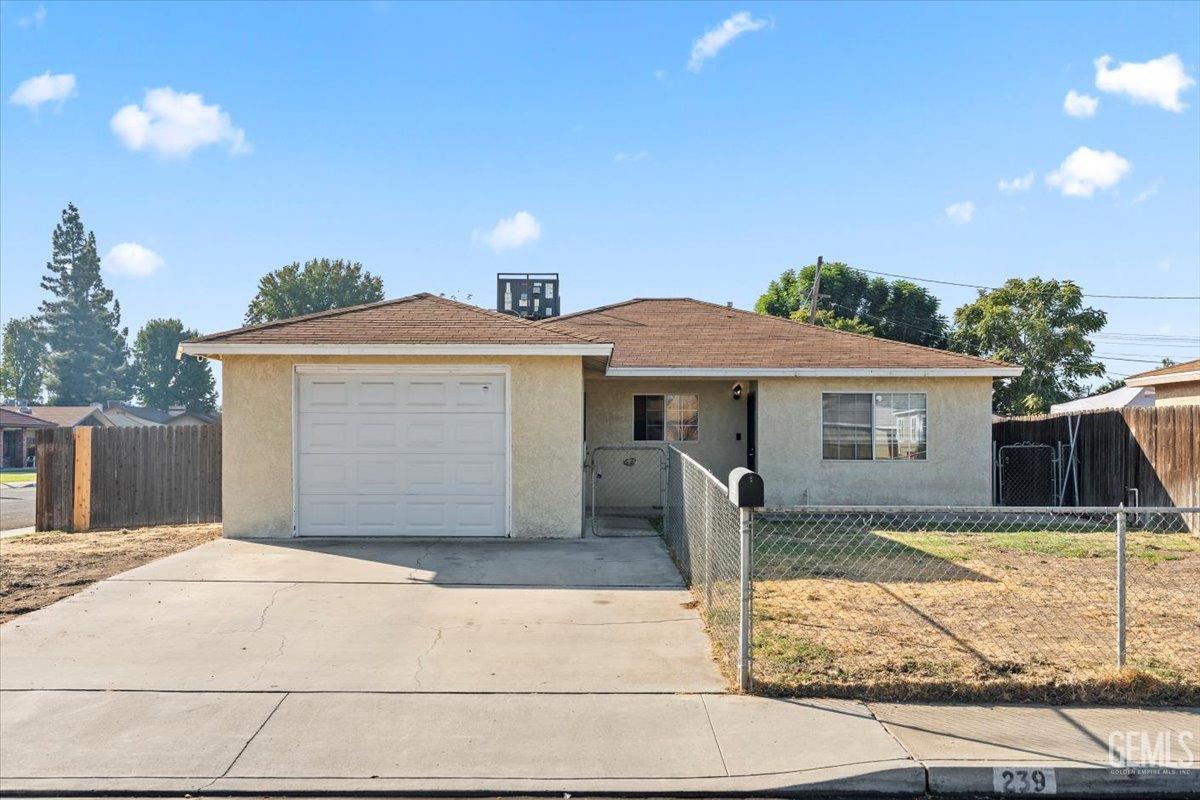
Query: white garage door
401, 454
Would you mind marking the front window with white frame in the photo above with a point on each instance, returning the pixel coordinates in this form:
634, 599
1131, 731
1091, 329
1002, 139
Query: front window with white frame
666, 418
873, 426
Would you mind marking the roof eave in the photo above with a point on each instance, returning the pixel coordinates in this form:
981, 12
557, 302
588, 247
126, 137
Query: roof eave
1154, 380
218, 349
998, 371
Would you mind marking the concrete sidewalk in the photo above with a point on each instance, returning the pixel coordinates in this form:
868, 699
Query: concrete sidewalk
649, 744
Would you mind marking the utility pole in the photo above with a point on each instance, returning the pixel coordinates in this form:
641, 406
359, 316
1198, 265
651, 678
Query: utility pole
816, 291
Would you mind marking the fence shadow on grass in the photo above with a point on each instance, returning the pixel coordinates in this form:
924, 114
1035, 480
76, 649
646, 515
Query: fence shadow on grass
857, 552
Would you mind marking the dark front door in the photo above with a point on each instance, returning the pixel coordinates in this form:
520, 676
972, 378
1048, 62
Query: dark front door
751, 431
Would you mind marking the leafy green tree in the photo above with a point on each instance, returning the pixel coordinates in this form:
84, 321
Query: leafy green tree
89, 352
160, 379
828, 319
320, 285
23, 363
1119, 383
1041, 325
899, 310
1112, 384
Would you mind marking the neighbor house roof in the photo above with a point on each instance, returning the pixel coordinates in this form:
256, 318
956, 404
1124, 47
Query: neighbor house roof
68, 416
685, 336
416, 324
1125, 397
11, 418
153, 415
1176, 373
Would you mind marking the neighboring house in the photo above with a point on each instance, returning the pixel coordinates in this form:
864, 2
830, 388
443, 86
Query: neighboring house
1125, 397
178, 415
425, 416
1176, 385
72, 416
17, 433
131, 416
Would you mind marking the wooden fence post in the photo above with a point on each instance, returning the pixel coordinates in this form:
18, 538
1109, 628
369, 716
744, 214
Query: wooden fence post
82, 514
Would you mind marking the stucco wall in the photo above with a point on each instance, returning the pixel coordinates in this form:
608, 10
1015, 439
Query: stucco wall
547, 440
722, 419
956, 472
1177, 394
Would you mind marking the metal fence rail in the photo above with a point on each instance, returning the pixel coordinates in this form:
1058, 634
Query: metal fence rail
899, 602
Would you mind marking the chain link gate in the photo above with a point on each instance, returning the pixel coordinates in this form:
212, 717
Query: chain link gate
627, 488
1028, 475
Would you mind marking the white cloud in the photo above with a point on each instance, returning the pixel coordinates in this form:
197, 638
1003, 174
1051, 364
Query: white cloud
1080, 105
131, 258
44, 88
34, 20
1147, 193
961, 213
1086, 170
1158, 82
172, 124
716, 39
520, 229
640, 155
1166, 264
1021, 183
661, 76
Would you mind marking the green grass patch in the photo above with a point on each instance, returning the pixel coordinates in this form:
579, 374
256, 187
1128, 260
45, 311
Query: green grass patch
833, 553
18, 476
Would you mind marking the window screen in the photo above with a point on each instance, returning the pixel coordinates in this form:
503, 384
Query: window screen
900, 425
846, 426
666, 418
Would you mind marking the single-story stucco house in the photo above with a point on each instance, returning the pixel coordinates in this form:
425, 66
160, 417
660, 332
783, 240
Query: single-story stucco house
1176, 385
426, 416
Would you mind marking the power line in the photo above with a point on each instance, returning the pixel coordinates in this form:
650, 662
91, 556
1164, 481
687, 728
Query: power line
994, 288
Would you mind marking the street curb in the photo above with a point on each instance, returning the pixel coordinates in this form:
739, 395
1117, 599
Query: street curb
1071, 780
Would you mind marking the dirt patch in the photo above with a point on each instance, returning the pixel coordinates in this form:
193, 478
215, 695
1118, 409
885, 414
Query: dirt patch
42, 568
978, 617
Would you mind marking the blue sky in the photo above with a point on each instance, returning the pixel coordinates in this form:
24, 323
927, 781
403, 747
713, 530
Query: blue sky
648, 160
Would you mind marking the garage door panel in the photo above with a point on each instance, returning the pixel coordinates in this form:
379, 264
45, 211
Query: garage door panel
454, 474
415, 433
384, 393
425, 515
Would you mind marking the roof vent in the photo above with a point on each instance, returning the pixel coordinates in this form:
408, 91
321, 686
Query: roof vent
729, 304
528, 295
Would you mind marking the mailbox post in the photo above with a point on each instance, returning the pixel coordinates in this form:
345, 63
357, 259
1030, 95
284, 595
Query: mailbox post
745, 492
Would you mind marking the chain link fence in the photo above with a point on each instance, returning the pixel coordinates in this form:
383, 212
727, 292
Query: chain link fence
625, 482
1052, 604
702, 533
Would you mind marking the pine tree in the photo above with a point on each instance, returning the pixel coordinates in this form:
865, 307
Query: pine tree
88, 361
160, 379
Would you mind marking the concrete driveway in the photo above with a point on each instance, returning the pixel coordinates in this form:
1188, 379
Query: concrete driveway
497, 666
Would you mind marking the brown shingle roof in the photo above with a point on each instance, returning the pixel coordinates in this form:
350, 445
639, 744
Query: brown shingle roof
10, 418
681, 332
66, 416
418, 319
1174, 369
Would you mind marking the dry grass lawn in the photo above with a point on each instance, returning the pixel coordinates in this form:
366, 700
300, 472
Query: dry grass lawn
1028, 616
41, 568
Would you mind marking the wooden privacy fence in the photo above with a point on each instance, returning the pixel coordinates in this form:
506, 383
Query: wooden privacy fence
1136, 456
125, 477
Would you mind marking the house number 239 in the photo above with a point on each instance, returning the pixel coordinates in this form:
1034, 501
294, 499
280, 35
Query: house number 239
1024, 780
